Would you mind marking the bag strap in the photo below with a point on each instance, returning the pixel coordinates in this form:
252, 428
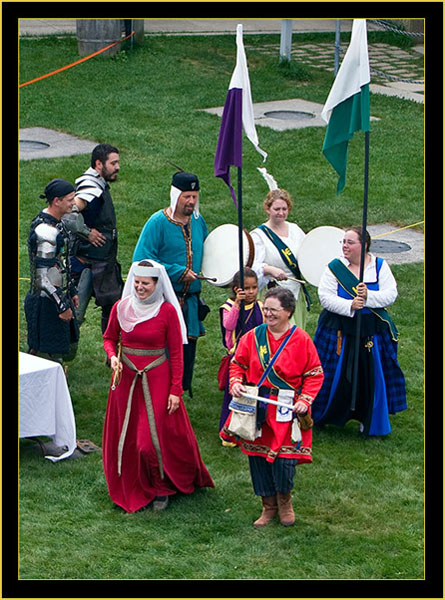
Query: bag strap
276, 355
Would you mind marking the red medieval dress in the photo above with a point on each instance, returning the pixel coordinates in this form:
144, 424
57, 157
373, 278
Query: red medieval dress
299, 366
159, 462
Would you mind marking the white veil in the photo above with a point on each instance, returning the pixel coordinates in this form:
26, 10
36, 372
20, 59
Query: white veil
131, 310
174, 196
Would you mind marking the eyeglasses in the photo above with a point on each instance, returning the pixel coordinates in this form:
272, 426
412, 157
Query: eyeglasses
272, 311
349, 243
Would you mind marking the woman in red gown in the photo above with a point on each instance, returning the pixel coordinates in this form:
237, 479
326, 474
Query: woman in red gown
149, 448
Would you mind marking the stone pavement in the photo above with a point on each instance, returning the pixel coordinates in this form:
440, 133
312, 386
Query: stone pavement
395, 71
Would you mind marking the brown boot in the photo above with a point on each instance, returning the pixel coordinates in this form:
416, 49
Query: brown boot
287, 516
270, 509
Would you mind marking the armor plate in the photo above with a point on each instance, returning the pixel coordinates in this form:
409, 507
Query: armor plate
46, 238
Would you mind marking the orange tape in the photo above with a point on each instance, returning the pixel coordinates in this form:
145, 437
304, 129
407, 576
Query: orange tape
77, 61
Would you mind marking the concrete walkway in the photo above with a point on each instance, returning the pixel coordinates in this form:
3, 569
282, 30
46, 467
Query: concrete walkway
192, 26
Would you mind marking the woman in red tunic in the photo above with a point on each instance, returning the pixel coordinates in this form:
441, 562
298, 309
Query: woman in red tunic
295, 378
149, 448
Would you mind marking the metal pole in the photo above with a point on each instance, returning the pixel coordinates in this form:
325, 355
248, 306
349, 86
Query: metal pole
337, 47
286, 40
362, 268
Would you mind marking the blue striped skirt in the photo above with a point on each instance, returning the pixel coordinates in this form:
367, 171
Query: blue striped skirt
385, 380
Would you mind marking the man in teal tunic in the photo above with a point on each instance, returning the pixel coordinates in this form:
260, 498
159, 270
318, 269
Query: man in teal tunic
174, 236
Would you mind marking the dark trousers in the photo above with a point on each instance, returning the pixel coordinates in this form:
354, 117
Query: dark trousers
270, 478
106, 310
85, 289
189, 362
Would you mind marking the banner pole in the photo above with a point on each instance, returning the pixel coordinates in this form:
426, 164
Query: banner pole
240, 244
362, 268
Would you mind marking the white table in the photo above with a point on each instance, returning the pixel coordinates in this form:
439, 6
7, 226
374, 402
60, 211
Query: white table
45, 406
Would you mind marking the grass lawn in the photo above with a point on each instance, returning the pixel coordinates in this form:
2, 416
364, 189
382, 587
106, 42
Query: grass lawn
360, 505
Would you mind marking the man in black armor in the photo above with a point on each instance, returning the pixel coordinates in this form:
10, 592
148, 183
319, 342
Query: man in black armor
93, 222
52, 299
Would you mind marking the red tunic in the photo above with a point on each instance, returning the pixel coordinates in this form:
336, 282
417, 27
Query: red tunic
299, 365
140, 481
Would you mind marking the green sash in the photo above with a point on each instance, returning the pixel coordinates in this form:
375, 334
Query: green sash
288, 258
349, 283
263, 350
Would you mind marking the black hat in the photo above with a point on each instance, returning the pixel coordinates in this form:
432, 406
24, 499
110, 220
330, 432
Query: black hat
185, 182
57, 188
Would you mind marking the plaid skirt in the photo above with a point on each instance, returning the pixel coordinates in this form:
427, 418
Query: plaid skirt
382, 353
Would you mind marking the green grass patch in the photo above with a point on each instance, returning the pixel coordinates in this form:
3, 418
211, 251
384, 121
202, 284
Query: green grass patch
360, 504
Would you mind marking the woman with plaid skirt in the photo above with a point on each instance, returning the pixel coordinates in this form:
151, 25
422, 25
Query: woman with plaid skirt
381, 384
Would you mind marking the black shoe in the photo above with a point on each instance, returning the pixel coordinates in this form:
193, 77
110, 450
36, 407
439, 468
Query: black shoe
160, 503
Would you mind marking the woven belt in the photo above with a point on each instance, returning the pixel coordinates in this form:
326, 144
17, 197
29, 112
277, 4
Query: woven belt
142, 373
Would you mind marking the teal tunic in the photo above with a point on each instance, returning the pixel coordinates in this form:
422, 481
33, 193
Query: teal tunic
178, 248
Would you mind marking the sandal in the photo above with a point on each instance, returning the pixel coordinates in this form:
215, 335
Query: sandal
86, 446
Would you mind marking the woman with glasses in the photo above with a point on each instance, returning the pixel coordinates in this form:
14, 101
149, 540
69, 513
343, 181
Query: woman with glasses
380, 387
294, 380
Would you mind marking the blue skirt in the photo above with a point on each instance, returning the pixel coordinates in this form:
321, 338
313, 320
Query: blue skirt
381, 384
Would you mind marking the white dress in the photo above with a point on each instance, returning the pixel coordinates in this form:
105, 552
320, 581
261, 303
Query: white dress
266, 253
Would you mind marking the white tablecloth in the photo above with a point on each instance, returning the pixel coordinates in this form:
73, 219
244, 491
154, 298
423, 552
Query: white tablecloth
45, 406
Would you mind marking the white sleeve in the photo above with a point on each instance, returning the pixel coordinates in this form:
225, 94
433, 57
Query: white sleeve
259, 260
296, 232
327, 292
387, 292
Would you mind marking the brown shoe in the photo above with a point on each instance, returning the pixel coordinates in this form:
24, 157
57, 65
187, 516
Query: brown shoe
287, 516
270, 509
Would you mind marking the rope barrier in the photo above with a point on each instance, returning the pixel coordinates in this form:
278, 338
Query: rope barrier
374, 237
394, 29
395, 78
391, 27
77, 61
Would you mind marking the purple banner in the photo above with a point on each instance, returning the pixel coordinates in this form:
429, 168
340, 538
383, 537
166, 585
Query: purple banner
229, 148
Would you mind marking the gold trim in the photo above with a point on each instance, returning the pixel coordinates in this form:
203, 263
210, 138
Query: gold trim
188, 248
262, 449
313, 372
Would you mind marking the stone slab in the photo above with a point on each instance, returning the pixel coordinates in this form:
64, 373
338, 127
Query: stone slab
415, 239
260, 110
58, 144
